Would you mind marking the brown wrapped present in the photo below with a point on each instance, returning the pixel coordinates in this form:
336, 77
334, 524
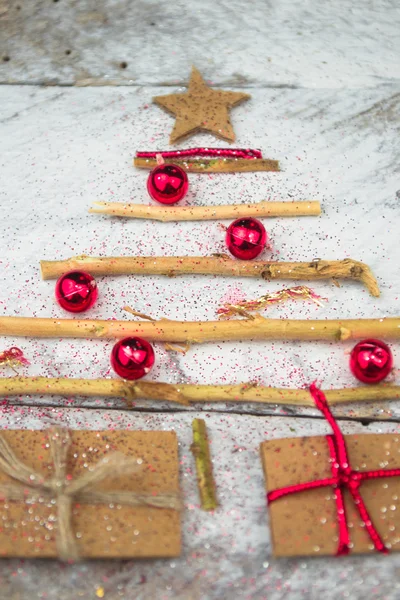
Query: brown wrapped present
333, 494
92, 494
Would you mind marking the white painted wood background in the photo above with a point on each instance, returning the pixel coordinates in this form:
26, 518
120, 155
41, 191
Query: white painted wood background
75, 104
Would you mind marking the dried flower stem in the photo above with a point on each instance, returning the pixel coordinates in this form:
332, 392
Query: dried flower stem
196, 332
205, 478
187, 394
204, 213
214, 165
214, 265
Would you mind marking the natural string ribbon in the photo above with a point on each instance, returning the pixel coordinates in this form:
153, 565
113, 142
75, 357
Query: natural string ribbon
33, 486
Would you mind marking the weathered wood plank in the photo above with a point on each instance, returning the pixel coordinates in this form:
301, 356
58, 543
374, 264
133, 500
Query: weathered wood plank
118, 42
62, 148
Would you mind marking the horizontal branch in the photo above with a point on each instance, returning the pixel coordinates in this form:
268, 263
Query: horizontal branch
204, 213
197, 332
214, 265
214, 165
187, 394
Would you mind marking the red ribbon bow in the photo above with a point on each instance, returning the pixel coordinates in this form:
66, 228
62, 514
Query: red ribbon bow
343, 476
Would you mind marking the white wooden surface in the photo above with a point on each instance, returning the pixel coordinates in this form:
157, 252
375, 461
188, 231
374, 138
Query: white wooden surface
65, 147
62, 147
258, 44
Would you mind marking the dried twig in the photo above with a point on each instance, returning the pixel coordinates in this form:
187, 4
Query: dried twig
214, 165
214, 265
186, 394
201, 452
197, 332
245, 307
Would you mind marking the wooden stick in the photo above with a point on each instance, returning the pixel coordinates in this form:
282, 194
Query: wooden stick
214, 165
205, 478
196, 332
203, 213
213, 265
186, 394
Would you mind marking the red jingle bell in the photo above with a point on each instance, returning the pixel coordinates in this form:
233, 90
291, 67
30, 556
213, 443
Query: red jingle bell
246, 238
76, 291
167, 184
371, 361
132, 358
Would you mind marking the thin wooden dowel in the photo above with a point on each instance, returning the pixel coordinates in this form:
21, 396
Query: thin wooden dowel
187, 394
197, 332
203, 213
214, 265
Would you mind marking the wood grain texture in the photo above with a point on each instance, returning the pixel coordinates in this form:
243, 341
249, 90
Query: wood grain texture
326, 104
114, 42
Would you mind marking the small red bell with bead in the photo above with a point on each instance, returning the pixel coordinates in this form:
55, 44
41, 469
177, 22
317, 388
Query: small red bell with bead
246, 238
132, 358
76, 291
371, 361
167, 184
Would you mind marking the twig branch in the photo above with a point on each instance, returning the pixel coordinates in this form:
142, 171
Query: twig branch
214, 165
187, 394
204, 213
205, 478
214, 265
197, 332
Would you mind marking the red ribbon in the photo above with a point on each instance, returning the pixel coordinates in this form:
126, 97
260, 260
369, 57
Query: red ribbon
13, 355
343, 476
246, 153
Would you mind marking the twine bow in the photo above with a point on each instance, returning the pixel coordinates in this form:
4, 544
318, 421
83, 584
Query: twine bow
29, 486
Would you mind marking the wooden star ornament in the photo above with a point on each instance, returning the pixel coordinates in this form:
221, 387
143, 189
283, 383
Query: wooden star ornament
201, 109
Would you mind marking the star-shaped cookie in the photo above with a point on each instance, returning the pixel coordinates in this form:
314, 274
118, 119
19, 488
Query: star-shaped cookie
201, 109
